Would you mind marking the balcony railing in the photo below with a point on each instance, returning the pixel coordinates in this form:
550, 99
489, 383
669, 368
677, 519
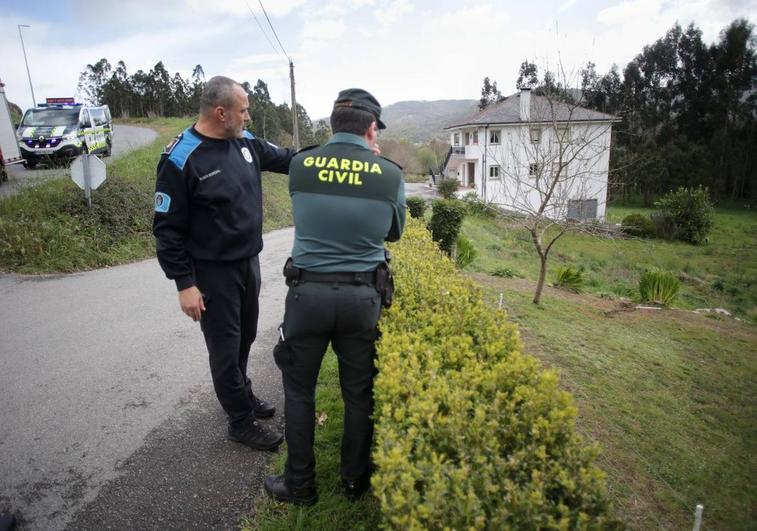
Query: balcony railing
458, 150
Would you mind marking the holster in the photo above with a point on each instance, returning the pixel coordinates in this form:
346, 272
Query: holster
291, 273
385, 284
385, 280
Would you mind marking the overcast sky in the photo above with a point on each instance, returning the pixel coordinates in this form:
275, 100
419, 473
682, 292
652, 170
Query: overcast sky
397, 49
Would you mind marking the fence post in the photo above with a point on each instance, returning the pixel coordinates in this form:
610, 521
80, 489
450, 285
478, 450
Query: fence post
698, 517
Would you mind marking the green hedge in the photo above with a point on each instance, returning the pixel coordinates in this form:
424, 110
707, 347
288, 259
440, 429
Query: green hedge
471, 433
446, 219
416, 206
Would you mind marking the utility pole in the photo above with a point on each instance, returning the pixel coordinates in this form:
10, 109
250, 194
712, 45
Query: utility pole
295, 128
34, 100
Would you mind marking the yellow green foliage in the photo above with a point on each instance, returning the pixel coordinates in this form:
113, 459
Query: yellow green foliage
471, 433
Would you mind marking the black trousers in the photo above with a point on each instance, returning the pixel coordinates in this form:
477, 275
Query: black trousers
230, 324
346, 316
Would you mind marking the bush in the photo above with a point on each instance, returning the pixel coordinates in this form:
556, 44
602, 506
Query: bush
446, 219
465, 252
447, 188
471, 433
416, 206
658, 287
476, 207
504, 272
664, 225
569, 278
638, 225
691, 211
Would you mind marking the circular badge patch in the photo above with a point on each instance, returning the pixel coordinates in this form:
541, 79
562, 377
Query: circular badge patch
246, 154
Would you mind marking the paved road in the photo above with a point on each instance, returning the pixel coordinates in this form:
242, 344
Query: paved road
107, 411
125, 138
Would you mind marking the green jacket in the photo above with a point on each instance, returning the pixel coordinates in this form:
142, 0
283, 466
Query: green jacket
346, 202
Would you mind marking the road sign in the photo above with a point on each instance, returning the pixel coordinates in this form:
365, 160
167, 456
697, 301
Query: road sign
88, 172
96, 171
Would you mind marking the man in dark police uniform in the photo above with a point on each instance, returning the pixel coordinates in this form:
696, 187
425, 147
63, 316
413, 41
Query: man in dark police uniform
346, 201
208, 226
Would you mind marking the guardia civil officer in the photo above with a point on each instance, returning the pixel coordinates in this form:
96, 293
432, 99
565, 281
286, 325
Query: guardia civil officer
346, 202
208, 228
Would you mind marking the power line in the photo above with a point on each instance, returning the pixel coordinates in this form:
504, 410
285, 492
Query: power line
274, 31
261, 27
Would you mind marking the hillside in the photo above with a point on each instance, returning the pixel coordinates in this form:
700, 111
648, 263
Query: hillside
420, 121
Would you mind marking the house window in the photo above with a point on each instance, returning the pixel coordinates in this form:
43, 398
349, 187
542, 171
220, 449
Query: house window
556, 169
561, 135
533, 170
475, 137
494, 172
457, 139
494, 136
535, 133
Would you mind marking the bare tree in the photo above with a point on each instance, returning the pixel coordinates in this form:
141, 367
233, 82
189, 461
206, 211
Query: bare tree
550, 170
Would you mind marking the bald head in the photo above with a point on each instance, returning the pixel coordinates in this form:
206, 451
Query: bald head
219, 91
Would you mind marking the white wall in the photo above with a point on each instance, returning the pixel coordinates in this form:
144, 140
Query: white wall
586, 153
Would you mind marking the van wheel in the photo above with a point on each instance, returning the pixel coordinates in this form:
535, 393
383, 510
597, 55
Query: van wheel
30, 165
108, 149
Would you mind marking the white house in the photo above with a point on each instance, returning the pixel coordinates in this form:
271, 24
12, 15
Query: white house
529, 150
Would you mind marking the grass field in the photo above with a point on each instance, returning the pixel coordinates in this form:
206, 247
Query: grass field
721, 274
670, 395
48, 228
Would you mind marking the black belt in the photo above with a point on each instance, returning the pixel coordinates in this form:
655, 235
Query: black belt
362, 277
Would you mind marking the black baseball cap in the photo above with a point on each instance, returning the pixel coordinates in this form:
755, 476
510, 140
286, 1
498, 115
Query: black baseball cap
360, 99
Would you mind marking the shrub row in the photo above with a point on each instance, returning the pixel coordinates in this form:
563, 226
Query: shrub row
470, 433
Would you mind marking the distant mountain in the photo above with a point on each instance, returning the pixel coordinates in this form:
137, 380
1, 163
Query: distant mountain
420, 121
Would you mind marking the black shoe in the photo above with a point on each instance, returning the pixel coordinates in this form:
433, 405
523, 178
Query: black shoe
276, 487
255, 435
354, 489
261, 408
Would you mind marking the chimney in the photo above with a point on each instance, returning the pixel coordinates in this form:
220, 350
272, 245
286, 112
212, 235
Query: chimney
525, 104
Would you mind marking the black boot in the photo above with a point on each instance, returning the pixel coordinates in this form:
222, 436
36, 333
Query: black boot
354, 489
253, 434
261, 408
277, 488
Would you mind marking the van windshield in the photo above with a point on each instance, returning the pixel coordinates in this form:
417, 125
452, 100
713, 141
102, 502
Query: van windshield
52, 117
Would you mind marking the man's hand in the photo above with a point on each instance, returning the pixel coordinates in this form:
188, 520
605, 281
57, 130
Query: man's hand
191, 302
376, 150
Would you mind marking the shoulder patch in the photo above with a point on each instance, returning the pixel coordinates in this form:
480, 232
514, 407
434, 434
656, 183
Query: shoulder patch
169, 147
180, 152
162, 202
390, 160
308, 148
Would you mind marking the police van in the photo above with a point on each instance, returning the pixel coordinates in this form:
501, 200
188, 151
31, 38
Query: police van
61, 130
